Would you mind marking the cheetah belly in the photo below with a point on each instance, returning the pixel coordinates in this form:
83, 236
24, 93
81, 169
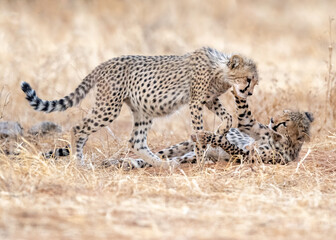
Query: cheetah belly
239, 139
157, 105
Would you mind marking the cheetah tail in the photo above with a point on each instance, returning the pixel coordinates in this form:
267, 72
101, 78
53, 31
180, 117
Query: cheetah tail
61, 104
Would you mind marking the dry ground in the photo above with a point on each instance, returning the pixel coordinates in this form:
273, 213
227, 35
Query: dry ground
54, 44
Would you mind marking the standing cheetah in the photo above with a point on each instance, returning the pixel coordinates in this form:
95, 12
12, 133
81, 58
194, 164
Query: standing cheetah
154, 86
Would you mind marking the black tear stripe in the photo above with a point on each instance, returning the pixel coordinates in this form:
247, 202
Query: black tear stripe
278, 125
248, 85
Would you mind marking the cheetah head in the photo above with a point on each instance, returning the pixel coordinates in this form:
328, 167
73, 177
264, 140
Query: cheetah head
242, 74
291, 125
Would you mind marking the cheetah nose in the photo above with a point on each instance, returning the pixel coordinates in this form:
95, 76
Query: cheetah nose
249, 93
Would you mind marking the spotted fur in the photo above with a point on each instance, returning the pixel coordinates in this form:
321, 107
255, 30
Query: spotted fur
154, 86
278, 142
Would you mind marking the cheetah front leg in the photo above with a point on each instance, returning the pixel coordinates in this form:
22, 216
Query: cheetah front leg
217, 108
216, 140
177, 150
196, 108
255, 152
138, 142
182, 152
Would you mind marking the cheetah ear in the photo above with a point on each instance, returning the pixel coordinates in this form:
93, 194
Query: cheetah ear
309, 116
235, 62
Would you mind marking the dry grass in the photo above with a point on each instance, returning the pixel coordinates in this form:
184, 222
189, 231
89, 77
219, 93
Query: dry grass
54, 44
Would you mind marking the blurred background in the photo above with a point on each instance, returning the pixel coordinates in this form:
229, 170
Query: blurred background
53, 45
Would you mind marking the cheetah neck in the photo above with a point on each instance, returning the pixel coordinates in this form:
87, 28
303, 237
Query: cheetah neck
287, 149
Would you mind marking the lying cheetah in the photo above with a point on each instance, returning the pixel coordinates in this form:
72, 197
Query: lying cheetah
154, 86
278, 142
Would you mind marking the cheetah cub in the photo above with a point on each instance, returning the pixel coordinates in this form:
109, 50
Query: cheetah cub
154, 86
278, 142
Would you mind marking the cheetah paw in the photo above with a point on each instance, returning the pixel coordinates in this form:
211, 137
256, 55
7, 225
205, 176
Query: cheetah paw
125, 163
169, 164
203, 137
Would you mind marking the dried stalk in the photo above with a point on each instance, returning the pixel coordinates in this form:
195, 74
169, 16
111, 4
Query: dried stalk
330, 77
4, 103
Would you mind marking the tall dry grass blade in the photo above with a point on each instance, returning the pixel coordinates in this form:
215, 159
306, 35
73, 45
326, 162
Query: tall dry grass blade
4, 101
329, 107
302, 160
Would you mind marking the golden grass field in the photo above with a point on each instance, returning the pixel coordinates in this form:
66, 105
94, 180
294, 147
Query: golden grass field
54, 44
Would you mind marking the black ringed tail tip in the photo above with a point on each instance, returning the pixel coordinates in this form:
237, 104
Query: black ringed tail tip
30, 93
25, 87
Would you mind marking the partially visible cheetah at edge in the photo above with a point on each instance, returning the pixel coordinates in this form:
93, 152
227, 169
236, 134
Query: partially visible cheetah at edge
154, 86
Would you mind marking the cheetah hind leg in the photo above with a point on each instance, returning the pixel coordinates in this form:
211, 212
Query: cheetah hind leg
126, 163
138, 142
180, 153
129, 163
92, 123
184, 153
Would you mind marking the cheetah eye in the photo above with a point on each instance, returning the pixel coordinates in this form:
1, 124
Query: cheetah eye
248, 79
279, 124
